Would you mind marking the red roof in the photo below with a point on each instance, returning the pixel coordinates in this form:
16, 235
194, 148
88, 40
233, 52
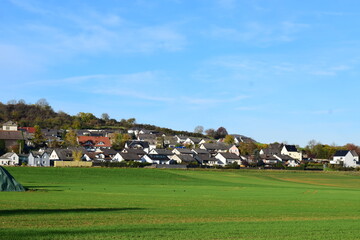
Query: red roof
27, 129
94, 141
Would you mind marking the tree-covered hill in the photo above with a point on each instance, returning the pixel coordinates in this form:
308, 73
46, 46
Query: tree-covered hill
42, 114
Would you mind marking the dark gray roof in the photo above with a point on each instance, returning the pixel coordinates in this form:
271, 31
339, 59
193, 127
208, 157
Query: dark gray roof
274, 148
228, 155
136, 144
161, 157
216, 146
184, 150
195, 140
163, 151
341, 153
130, 156
11, 135
291, 148
146, 136
109, 151
200, 151
186, 158
137, 151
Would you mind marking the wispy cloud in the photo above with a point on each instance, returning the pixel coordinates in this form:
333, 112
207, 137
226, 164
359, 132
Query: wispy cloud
91, 31
201, 101
261, 33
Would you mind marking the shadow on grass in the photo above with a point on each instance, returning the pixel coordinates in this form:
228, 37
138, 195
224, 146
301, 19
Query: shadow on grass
56, 211
105, 233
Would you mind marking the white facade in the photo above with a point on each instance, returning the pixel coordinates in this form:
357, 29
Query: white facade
9, 159
223, 159
351, 159
294, 154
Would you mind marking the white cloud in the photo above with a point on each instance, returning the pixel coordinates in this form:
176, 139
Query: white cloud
260, 33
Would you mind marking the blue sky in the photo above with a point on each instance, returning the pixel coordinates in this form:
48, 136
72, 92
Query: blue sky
274, 70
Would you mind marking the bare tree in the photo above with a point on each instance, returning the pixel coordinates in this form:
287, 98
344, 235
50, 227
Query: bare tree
199, 129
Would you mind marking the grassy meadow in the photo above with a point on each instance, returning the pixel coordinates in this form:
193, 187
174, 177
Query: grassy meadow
109, 203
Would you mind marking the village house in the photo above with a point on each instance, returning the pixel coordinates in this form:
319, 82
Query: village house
119, 157
225, 158
179, 151
156, 159
214, 148
291, 151
9, 159
138, 151
193, 141
10, 134
183, 159
138, 145
235, 150
39, 159
166, 152
346, 158
206, 160
91, 143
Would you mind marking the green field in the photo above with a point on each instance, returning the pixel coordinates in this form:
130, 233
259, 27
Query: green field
104, 203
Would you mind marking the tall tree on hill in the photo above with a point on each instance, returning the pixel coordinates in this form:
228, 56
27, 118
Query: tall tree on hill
229, 139
71, 139
221, 133
199, 129
210, 132
39, 138
119, 140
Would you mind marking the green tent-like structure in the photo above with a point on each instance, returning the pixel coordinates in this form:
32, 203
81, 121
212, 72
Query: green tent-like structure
8, 182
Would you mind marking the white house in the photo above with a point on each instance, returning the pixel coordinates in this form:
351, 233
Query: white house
183, 158
193, 141
10, 126
156, 159
291, 151
38, 159
119, 157
10, 158
227, 158
179, 151
235, 150
347, 158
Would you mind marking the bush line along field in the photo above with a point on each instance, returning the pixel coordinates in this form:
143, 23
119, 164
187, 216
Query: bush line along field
103, 203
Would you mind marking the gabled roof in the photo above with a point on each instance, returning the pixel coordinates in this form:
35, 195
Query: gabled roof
95, 140
163, 151
291, 148
136, 144
161, 157
7, 155
109, 151
274, 148
130, 156
341, 153
215, 146
137, 151
228, 155
195, 140
200, 151
10, 123
183, 150
146, 136
204, 157
185, 158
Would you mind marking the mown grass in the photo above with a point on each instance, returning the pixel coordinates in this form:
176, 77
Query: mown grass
103, 203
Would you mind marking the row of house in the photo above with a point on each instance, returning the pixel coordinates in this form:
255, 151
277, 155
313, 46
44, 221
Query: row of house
96, 146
